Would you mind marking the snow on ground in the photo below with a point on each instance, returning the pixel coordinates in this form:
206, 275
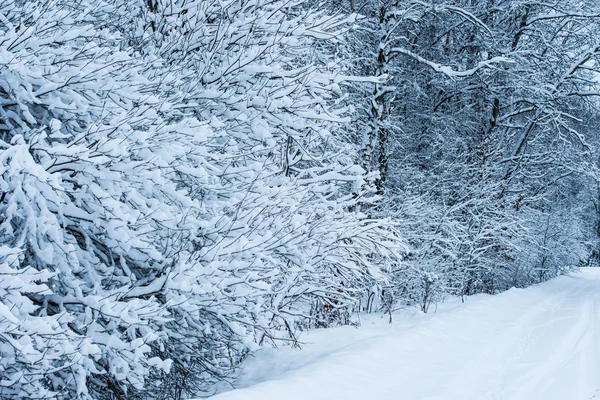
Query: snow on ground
540, 343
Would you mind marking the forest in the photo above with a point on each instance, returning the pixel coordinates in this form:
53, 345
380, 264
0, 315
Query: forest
183, 182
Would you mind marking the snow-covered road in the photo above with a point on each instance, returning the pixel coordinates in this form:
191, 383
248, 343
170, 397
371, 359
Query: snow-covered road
540, 343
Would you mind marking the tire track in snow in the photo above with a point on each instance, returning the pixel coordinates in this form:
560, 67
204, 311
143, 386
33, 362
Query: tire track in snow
588, 358
541, 376
497, 346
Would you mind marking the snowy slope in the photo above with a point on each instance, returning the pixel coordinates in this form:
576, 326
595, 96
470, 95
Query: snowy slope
538, 343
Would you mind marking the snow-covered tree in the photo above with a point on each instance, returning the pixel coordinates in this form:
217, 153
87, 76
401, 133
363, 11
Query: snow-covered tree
480, 124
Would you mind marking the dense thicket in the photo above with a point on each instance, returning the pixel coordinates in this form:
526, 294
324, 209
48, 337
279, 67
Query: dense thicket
173, 193
184, 181
484, 137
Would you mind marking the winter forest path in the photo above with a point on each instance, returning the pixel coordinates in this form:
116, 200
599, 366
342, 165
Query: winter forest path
540, 343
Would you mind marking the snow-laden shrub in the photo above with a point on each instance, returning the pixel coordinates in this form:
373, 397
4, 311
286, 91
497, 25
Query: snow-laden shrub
173, 192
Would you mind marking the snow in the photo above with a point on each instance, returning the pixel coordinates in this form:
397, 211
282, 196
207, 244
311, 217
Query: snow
525, 344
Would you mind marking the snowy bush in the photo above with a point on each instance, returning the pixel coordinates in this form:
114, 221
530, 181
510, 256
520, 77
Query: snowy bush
174, 192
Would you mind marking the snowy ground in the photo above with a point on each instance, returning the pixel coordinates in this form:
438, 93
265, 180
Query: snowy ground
540, 343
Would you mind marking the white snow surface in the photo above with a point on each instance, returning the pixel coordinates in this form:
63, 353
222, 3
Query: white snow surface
540, 343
